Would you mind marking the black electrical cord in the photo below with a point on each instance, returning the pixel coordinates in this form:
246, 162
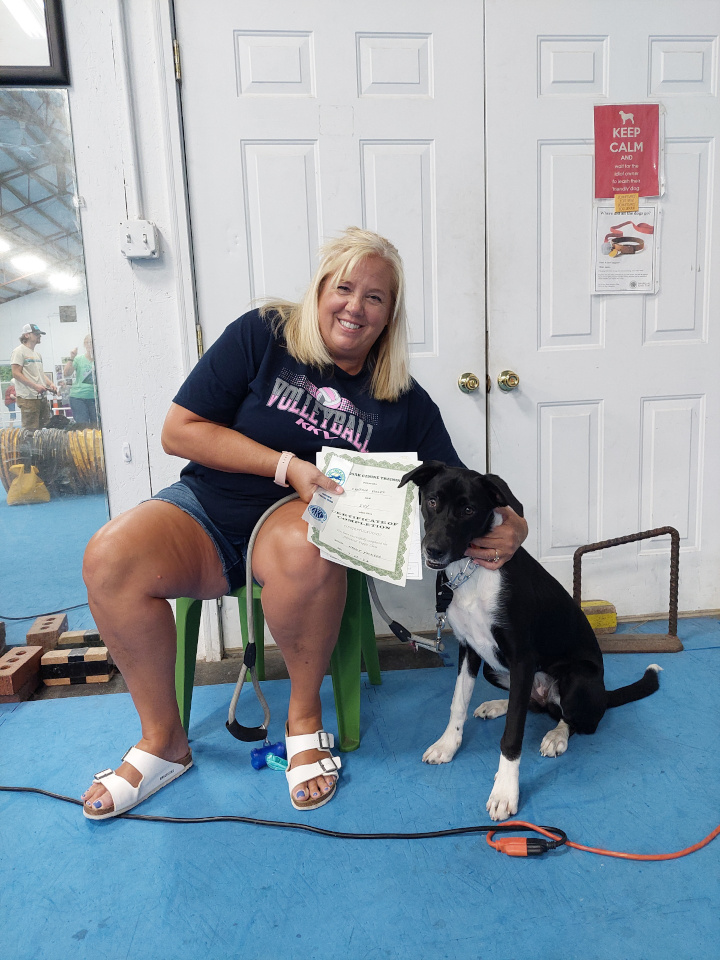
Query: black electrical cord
51, 613
558, 840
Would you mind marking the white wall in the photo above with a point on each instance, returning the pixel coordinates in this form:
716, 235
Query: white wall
142, 311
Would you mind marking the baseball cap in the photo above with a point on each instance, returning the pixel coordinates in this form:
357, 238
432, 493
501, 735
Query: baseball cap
32, 328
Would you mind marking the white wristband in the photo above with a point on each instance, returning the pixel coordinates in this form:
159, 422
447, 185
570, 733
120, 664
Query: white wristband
281, 470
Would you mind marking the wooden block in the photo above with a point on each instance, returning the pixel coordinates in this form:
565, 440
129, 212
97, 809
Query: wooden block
25, 691
46, 630
641, 643
601, 614
72, 639
81, 665
17, 667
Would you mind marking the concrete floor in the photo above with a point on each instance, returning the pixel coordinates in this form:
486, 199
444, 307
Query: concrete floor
393, 655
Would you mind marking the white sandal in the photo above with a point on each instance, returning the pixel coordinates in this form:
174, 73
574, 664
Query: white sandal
324, 767
156, 773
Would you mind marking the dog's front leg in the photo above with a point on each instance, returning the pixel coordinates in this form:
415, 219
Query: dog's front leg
503, 801
443, 750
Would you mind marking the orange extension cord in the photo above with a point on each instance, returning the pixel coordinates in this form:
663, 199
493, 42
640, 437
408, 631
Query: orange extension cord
524, 846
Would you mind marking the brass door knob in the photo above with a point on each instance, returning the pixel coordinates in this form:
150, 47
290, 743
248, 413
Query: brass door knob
468, 382
508, 380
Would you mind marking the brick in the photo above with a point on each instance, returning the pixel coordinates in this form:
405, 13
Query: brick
601, 614
46, 630
18, 666
79, 638
25, 691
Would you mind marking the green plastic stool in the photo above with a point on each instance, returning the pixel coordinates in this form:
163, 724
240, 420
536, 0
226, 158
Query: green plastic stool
357, 636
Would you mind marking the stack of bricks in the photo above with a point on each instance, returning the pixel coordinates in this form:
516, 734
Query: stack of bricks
19, 673
80, 657
20, 666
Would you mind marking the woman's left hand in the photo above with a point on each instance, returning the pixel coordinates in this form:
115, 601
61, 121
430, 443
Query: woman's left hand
495, 549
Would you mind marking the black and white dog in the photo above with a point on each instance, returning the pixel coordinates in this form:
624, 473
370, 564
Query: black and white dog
531, 636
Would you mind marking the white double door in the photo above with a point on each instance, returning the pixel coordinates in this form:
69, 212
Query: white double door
302, 119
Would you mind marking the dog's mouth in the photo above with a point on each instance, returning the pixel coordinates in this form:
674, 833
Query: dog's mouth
435, 564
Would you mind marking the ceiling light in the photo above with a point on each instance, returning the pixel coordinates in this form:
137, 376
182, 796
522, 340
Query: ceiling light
4, 245
29, 263
65, 282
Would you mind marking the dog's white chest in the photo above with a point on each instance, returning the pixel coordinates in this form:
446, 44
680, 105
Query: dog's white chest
474, 609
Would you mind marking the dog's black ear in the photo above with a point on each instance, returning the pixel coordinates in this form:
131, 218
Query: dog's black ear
501, 493
420, 475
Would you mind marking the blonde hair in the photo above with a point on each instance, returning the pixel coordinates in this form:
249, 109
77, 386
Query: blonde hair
299, 323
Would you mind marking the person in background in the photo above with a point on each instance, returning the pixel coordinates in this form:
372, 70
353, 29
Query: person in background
83, 395
31, 383
10, 398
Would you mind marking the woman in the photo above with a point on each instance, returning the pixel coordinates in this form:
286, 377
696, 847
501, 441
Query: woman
277, 385
83, 394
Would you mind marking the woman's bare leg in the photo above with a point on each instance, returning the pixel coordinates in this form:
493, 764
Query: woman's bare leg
153, 552
303, 600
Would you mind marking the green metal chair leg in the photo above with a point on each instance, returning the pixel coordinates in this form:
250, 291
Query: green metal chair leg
187, 617
354, 639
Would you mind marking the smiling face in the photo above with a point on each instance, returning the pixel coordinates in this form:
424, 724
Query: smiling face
354, 310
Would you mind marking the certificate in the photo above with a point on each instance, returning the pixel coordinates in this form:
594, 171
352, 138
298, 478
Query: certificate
374, 525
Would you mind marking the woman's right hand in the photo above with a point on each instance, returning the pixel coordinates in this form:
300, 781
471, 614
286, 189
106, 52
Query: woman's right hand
305, 478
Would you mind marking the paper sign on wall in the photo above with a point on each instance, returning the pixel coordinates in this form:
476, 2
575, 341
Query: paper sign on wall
625, 251
627, 150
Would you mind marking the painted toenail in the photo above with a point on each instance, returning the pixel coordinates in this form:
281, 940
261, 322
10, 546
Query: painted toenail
97, 804
300, 795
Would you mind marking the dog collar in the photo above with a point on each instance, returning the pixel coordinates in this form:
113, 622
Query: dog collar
463, 576
619, 245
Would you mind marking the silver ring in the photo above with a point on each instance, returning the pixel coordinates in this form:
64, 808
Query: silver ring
496, 558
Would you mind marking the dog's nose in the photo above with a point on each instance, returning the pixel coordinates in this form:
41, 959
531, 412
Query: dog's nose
434, 553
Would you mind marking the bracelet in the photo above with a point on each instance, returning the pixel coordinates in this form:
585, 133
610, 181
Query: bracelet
281, 470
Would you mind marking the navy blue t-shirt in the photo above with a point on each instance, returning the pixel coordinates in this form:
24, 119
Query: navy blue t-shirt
248, 381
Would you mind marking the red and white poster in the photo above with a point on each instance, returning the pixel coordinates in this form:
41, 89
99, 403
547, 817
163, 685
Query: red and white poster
627, 150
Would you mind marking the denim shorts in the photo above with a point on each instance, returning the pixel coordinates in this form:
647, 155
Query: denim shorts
233, 557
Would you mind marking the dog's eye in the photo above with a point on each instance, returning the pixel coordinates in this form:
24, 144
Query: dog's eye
431, 502
468, 511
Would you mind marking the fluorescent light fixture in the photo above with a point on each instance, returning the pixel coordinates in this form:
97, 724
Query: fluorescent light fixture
65, 282
30, 16
4, 246
28, 263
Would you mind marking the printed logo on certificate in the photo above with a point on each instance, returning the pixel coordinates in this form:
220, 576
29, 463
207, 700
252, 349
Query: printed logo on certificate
374, 526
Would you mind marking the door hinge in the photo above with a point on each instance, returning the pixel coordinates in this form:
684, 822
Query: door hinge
176, 60
199, 339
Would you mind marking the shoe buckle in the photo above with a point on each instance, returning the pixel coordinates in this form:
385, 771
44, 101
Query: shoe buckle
104, 773
327, 764
325, 740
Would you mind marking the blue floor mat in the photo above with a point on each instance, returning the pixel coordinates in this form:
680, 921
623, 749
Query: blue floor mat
646, 782
37, 584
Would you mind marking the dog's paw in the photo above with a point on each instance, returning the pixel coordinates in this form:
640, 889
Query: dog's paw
502, 805
491, 709
443, 750
555, 742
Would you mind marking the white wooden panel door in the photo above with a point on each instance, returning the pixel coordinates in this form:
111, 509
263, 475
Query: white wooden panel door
614, 426
302, 119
